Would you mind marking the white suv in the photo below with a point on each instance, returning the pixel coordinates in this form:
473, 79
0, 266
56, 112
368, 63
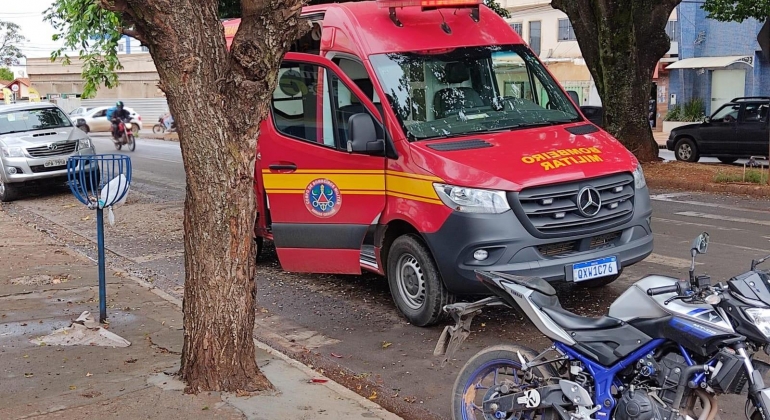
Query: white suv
36, 139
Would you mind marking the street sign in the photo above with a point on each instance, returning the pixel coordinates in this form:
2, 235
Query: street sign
15, 88
764, 39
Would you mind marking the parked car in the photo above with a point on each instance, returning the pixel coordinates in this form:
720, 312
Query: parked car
739, 129
95, 120
81, 110
36, 139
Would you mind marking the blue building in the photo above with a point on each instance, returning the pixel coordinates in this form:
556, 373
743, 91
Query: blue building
717, 61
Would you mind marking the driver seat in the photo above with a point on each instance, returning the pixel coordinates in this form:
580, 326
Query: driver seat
451, 100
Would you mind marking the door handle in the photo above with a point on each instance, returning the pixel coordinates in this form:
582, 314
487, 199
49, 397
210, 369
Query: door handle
283, 167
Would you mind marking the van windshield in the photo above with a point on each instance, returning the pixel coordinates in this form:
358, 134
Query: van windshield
449, 93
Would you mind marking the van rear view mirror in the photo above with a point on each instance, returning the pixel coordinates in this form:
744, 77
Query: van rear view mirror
362, 135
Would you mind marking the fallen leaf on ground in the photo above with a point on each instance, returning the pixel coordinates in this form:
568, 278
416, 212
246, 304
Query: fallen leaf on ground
89, 374
73, 387
373, 396
319, 380
386, 344
29, 375
336, 355
86, 218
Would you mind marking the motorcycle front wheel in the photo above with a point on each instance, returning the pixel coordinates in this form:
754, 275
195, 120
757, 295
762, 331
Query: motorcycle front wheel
131, 142
485, 372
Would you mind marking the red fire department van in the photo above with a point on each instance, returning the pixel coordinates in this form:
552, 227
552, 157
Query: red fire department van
423, 140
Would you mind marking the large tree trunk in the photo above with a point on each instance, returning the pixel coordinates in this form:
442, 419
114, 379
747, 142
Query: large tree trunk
218, 99
622, 41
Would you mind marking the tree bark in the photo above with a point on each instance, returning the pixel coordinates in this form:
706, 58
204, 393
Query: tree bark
622, 41
218, 99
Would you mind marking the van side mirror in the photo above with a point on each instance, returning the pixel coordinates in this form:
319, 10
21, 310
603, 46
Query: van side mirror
80, 123
362, 135
574, 95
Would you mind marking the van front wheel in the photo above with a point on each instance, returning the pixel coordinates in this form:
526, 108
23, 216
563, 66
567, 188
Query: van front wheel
415, 283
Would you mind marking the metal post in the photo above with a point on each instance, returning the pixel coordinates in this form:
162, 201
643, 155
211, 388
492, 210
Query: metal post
102, 279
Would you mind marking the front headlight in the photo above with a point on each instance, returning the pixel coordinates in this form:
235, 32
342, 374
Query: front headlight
84, 144
760, 318
471, 200
12, 151
639, 181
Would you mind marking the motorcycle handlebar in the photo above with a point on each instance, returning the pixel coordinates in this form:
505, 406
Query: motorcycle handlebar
662, 290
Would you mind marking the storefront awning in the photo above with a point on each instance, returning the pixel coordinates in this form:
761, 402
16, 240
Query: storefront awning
711, 62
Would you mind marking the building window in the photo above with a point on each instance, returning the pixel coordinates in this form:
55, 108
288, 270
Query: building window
566, 33
517, 27
534, 36
121, 47
672, 30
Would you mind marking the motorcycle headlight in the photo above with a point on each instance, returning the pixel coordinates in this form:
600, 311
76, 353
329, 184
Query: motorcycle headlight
471, 200
84, 144
760, 318
639, 181
12, 151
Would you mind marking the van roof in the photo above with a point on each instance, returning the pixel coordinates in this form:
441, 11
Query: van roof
373, 32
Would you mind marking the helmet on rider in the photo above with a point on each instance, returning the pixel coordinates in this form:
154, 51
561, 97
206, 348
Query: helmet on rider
119, 104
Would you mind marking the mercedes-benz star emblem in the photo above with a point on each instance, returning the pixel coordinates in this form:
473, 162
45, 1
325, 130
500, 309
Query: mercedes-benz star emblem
53, 146
589, 201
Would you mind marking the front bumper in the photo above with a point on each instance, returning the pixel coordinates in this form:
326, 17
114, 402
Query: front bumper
28, 169
512, 249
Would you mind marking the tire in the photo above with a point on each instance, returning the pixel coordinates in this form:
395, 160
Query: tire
8, 192
686, 150
727, 160
600, 282
131, 142
118, 146
135, 129
486, 360
415, 283
260, 245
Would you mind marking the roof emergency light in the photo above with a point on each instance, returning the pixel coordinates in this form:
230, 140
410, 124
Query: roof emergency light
428, 5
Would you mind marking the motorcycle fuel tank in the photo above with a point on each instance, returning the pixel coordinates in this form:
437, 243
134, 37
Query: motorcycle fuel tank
636, 304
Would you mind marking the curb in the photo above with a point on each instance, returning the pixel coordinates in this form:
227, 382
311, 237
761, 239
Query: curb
334, 386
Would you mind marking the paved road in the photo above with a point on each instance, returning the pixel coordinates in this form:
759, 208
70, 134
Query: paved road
347, 321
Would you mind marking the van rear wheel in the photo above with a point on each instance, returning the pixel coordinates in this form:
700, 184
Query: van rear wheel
415, 283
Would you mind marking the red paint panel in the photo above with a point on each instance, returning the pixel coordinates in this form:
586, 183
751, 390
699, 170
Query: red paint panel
332, 261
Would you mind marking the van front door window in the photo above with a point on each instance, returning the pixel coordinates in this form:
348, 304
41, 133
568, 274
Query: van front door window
449, 93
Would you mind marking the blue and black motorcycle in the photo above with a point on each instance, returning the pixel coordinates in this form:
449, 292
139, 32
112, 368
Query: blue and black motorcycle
666, 350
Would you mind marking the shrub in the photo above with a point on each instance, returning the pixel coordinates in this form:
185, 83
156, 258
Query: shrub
693, 111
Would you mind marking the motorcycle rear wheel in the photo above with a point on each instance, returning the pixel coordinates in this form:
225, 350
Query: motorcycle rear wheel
470, 389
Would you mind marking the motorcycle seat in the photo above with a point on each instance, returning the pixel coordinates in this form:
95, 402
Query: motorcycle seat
570, 321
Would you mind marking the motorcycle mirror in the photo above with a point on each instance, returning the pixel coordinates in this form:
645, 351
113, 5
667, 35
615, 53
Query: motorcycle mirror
700, 244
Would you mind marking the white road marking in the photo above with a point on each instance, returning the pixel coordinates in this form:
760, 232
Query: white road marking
672, 262
721, 217
683, 223
669, 198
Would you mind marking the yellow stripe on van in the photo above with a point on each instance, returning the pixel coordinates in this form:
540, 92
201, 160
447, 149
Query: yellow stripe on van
344, 182
415, 198
411, 186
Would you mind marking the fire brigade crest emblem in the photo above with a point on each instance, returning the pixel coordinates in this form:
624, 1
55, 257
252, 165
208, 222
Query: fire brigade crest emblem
323, 198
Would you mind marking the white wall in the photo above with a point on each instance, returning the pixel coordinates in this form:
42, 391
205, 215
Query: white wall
550, 45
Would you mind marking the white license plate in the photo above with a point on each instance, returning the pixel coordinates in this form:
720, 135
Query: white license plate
55, 162
595, 269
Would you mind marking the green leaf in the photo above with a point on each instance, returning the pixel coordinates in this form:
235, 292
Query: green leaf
737, 10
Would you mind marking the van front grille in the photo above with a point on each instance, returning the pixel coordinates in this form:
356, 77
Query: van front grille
552, 210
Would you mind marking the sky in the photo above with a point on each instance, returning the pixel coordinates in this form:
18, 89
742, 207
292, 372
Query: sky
29, 15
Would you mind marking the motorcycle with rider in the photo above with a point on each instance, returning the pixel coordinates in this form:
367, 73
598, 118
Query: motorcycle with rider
122, 129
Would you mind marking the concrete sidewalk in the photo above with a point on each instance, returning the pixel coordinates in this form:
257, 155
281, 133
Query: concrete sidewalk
45, 286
